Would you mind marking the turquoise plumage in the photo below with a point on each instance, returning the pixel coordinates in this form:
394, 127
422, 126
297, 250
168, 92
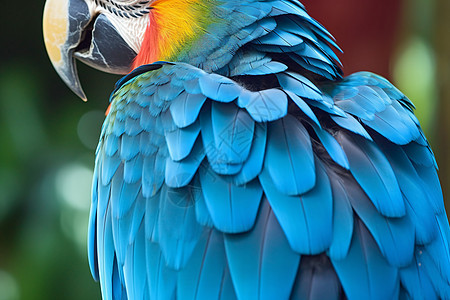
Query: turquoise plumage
249, 168
241, 169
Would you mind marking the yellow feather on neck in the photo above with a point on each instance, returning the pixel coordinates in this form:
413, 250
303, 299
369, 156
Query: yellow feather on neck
179, 23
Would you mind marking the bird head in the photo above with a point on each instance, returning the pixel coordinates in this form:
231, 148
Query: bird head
116, 36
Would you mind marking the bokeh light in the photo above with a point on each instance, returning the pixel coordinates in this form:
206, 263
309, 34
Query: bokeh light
8, 287
414, 74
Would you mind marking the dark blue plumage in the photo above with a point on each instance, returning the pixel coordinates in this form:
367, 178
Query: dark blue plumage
261, 173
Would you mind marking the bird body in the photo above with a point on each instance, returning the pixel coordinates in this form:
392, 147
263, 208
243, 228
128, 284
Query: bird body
236, 163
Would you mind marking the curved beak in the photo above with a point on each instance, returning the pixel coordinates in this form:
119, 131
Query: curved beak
61, 40
73, 29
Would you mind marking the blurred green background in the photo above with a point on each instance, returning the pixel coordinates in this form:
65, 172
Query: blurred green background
48, 136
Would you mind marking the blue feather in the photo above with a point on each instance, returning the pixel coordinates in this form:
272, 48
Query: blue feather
104, 193
133, 169
390, 124
280, 37
316, 280
109, 166
414, 192
185, 108
180, 173
192, 86
303, 107
268, 68
132, 126
323, 71
320, 64
217, 159
137, 216
106, 254
255, 30
136, 281
162, 279
125, 263
266, 105
219, 88
248, 61
289, 157
111, 144
146, 144
362, 96
374, 278
306, 219
311, 53
394, 236
299, 85
262, 264
129, 147
332, 146
422, 216
417, 282
350, 123
342, 220
323, 34
255, 10
436, 255
227, 291
151, 217
184, 71
181, 140
323, 43
430, 179
166, 122
376, 108
153, 173
325, 106
205, 274
201, 210
118, 291
285, 7
146, 91
253, 165
118, 127
177, 243
295, 26
92, 231
373, 172
232, 208
167, 92
233, 132
125, 196
355, 109
147, 121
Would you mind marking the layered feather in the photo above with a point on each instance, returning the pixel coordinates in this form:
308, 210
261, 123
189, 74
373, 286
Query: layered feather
257, 182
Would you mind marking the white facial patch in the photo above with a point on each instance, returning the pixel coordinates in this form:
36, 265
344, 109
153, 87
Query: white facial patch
132, 29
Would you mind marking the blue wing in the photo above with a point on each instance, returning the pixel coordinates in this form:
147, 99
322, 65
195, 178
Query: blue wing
210, 186
250, 194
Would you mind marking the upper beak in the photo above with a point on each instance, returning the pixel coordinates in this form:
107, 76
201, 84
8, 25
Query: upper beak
62, 34
73, 29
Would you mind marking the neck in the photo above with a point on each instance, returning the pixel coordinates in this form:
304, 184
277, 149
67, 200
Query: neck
173, 28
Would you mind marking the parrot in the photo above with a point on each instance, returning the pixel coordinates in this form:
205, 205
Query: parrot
236, 161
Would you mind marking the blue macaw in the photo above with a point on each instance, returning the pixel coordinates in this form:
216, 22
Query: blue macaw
236, 162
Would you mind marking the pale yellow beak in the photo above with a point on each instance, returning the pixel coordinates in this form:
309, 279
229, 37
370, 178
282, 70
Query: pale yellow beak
81, 29
62, 34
